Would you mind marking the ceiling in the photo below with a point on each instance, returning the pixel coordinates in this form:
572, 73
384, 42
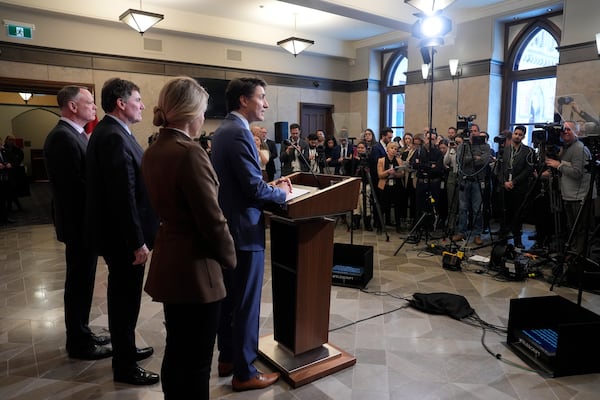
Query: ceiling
332, 24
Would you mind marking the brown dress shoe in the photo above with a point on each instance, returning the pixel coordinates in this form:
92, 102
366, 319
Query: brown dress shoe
458, 237
260, 381
478, 241
225, 369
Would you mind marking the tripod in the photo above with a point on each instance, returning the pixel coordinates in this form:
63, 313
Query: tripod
585, 204
365, 172
417, 224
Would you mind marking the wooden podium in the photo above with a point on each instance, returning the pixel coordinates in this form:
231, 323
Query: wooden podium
301, 263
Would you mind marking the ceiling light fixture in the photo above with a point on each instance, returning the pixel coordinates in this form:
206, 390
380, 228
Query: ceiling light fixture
295, 45
26, 96
429, 7
140, 20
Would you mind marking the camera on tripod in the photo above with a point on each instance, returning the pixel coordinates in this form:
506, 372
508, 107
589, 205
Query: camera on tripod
464, 123
547, 134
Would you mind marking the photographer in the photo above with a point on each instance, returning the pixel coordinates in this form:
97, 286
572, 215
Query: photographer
316, 154
472, 156
515, 176
451, 166
574, 184
428, 164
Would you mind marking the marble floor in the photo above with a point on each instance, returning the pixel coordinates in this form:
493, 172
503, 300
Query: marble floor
401, 353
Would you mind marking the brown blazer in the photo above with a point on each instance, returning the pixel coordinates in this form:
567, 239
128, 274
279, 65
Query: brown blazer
193, 241
383, 175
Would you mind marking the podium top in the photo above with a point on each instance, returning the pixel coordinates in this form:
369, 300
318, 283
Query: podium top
322, 195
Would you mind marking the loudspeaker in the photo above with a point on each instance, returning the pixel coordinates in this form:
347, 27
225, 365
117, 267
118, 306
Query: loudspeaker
352, 265
281, 131
554, 336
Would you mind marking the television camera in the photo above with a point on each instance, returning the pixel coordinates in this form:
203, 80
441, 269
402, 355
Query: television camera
464, 123
546, 137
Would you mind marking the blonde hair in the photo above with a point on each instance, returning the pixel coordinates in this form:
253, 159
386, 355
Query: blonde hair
180, 101
391, 145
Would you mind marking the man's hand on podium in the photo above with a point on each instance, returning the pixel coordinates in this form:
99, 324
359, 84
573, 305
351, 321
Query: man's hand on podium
284, 184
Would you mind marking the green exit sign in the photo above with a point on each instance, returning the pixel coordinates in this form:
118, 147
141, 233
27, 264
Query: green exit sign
20, 31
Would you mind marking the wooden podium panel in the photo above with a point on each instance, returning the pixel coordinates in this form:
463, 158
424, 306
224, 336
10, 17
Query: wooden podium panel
301, 260
301, 264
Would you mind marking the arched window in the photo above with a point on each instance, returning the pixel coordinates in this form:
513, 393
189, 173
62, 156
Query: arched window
392, 91
532, 75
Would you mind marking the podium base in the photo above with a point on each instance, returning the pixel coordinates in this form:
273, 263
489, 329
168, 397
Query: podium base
307, 367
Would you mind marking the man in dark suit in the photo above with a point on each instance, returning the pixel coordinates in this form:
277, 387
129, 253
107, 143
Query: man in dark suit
121, 225
377, 151
290, 158
242, 194
64, 154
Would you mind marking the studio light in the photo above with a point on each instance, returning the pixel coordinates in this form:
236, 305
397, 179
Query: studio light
453, 65
26, 96
140, 20
429, 6
295, 45
431, 29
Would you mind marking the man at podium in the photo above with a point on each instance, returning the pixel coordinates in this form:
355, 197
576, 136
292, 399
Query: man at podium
242, 195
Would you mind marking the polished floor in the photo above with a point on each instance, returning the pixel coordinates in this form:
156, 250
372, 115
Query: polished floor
401, 353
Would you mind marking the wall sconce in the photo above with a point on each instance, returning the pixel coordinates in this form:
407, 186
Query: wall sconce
26, 96
453, 65
140, 20
598, 42
425, 71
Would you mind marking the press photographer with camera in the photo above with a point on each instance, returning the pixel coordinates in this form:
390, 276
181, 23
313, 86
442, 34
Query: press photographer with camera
472, 156
515, 177
428, 164
574, 184
292, 151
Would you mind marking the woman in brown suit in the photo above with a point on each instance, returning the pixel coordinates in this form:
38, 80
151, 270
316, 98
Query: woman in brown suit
193, 241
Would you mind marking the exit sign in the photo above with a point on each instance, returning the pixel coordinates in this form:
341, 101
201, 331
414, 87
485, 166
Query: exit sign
19, 30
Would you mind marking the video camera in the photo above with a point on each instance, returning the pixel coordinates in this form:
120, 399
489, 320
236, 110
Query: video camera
464, 123
547, 134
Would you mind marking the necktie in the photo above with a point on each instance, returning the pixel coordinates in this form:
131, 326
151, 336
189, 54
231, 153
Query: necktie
343, 152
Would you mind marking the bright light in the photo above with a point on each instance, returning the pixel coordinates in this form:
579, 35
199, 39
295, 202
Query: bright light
432, 26
453, 64
425, 71
598, 42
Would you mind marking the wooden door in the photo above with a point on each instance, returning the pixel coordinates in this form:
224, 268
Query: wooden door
316, 116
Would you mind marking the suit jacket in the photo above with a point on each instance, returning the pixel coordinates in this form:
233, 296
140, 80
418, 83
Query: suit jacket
118, 213
193, 241
242, 191
520, 170
270, 167
64, 155
286, 159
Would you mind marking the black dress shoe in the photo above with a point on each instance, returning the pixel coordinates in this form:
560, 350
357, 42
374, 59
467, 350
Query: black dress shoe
136, 376
142, 354
91, 352
100, 340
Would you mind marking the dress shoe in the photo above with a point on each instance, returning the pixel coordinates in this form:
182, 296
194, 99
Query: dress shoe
142, 354
260, 381
458, 237
225, 369
478, 240
91, 352
100, 340
136, 376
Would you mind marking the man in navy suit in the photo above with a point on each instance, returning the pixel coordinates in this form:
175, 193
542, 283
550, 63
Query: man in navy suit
121, 224
242, 195
64, 154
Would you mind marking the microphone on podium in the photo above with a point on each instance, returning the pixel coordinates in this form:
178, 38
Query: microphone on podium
287, 142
